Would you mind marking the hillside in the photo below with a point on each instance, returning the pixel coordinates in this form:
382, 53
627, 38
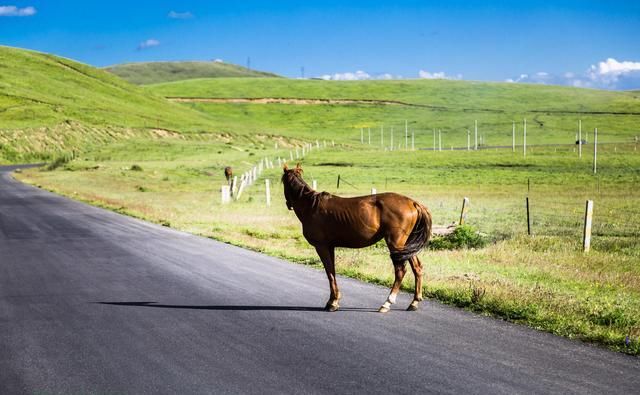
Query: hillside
49, 104
453, 107
158, 72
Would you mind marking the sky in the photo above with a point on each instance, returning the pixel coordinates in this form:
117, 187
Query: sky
586, 43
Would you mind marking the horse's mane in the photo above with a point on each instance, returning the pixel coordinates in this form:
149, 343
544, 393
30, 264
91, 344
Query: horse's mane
300, 188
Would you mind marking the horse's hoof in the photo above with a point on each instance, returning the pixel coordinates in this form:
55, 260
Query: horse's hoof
412, 307
383, 309
332, 308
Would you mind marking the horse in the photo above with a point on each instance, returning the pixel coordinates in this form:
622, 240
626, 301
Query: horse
228, 173
329, 221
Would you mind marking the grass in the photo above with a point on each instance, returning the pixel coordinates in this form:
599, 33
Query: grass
124, 147
159, 72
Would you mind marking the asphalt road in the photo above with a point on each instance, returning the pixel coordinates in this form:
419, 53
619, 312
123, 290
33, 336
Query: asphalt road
95, 302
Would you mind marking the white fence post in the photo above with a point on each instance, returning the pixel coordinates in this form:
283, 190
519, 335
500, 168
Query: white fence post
268, 192
314, 185
588, 216
524, 141
595, 150
373, 191
225, 194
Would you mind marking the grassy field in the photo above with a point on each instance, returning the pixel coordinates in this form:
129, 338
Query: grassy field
158, 72
52, 107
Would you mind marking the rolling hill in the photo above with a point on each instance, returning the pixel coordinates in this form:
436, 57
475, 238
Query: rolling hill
158, 72
49, 104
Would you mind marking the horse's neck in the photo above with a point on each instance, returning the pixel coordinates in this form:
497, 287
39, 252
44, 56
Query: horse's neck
303, 193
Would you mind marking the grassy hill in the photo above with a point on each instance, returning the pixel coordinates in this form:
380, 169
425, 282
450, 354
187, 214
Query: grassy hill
552, 112
157, 72
50, 104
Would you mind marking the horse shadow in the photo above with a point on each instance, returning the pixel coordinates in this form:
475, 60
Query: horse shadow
234, 307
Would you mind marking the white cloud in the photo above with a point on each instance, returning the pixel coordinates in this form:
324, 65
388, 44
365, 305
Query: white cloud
148, 44
607, 74
358, 75
440, 75
180, 15
11, 10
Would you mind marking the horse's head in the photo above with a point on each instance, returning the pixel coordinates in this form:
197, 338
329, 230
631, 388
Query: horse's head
292, 181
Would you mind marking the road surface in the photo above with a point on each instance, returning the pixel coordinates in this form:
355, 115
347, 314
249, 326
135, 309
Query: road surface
95, 302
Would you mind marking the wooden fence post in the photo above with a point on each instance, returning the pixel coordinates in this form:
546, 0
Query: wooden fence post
268, 192
463, 212
588, 216
528, 218
338, 183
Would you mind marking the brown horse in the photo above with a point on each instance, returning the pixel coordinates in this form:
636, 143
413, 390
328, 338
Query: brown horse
228, 173
329, 221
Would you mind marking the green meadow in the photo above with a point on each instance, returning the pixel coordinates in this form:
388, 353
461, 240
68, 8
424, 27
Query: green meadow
164, 161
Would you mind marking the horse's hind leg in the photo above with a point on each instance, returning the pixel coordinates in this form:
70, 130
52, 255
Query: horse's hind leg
327, 256
400, 269
416, 266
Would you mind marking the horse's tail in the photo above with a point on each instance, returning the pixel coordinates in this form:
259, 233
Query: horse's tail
418, 238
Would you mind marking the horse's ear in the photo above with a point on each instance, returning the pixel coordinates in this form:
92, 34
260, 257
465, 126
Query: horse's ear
298, 167
285, 167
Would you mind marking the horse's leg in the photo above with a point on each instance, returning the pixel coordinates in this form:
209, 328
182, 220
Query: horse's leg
416, 266
327, 256
400, 269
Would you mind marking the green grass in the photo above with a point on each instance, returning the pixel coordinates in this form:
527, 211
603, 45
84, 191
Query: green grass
158, 72
51, 105
552, 112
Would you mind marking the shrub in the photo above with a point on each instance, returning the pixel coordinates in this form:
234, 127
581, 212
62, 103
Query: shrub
136, 168
464, 236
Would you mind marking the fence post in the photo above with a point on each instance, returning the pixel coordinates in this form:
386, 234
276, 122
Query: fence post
595, 150
234, 185
243, 183
588, 216
268, 192
524, 139
528, 218
373, 191
463, 212
225, 194
513, 137
314, 185
580, 138
475, 129
338, 184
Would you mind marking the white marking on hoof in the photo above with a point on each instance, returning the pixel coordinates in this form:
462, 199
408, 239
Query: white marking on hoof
383, 309
392, 298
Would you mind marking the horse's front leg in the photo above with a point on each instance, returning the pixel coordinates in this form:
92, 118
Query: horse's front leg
327, 256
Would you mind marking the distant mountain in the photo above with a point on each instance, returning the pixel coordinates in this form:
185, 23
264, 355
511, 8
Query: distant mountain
157, 72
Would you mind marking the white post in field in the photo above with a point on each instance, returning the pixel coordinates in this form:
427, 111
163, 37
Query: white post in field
267, 191
406, 135
369, 135
297, 153
413, 141
513, 137
234, 185
391, 147
314, 185
361, 136
588, 219
595, 150
439, 140
475, 128
580, 138
468, 140
291, 155
524, 141
373, 191
381, 136
434, 139
225, 192
317, 144
243, 183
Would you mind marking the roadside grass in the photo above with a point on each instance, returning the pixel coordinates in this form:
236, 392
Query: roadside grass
543, 281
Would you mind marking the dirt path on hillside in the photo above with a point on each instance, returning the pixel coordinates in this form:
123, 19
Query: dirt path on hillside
296, 101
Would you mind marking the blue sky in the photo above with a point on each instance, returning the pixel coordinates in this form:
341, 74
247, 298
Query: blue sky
582, 43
